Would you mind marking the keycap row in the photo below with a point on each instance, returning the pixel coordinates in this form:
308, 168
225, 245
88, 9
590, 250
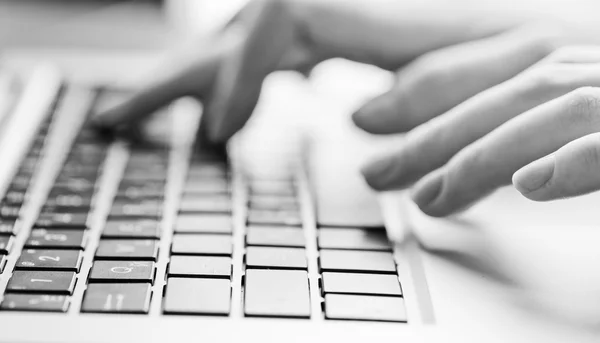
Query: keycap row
124, 263
46, 271
16, 194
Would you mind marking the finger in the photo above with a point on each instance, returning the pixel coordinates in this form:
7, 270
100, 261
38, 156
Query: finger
241, 75
570, 171
444, 78
431, 145
190, 73
491, 161
382, 33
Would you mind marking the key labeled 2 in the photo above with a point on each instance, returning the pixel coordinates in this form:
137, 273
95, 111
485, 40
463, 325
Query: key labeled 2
50, 259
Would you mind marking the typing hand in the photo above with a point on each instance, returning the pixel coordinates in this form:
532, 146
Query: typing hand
538, 129
226, 72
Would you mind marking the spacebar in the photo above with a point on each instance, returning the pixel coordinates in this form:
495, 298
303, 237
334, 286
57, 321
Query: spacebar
277, 293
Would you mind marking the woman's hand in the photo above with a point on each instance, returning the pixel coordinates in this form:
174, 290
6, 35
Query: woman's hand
226, 72
540, 129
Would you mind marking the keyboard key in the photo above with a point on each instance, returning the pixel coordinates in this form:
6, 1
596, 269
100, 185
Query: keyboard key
20, 182
7, 211
277, 293
117, 298
2, 262
14, 197
273, 203
194, 266
7, 226
57, 239
142, 174
122, 271
134, 190
66, 260
73, 184
198, 171
48, 282
264, 187
275, 236
68, 200
65, 209
34, 302
62, 220
343, 260
142, 228
198, 296
364, 307
6, 243
203, 223
269, 257
353, 239
202, 244
144, 208
263, 217
138, 249
206, 186
361, 284
205, 203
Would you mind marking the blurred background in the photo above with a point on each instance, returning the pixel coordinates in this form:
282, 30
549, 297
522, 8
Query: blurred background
107, 24
77, 33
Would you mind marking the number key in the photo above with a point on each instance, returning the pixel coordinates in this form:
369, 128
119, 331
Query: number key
57, 239
144, 208
2, 262
42, 282
9, 211
5, 244
142, 228
7, 226
62, 220
67, 260
132, 249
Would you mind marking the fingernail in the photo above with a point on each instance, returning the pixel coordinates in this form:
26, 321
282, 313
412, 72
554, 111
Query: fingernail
368, 117
376, 172
534, 175
426, 191
358, 118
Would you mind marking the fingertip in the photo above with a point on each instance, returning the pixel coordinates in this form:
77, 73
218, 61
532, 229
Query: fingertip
374, 116
533, 180
375, 174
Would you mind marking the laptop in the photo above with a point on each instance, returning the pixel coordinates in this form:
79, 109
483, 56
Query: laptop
108, 239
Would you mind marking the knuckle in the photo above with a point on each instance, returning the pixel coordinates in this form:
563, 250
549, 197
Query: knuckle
584, 106
564, 53
427, 73
546, 78
545, 37
464, 166
590, 155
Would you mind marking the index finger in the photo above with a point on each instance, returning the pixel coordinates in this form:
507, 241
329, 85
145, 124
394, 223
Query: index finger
192, 77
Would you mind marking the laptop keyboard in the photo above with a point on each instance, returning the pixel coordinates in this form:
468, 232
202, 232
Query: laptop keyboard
125, 229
